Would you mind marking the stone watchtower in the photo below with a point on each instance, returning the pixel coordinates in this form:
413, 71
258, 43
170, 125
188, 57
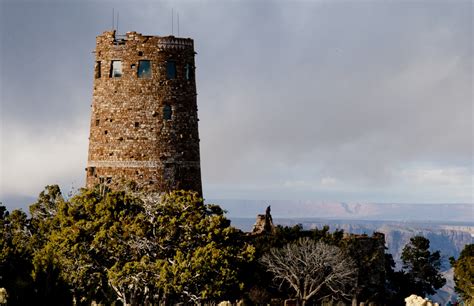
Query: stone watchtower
144, 124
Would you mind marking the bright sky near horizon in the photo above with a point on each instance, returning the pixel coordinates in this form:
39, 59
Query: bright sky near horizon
328, 100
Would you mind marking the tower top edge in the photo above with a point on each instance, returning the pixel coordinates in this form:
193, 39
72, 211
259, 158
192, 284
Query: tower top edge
113, 37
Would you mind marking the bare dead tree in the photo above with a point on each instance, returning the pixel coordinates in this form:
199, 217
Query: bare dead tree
313, 269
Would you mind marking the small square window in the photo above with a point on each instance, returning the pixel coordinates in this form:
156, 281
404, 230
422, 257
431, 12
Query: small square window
116, 70
97, 122
171, 70
137, 124
144, 69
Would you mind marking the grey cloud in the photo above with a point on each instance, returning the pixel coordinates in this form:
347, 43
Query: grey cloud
291, 94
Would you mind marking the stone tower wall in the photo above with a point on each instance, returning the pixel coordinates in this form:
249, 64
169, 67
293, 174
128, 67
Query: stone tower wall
144, 129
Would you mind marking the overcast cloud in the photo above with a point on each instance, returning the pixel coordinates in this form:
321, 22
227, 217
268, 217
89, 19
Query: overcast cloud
325, 100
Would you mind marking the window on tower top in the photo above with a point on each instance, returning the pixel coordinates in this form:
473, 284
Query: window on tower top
116, 70
144, 69
97, 69
171, 70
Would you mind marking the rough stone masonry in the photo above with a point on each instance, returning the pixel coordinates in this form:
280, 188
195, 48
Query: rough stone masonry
144, 124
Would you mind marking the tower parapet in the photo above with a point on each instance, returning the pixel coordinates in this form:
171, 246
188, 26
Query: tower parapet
144, 123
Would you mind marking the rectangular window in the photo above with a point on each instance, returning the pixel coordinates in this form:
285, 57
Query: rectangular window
116, 70
171, 70
167, 112
144, 69
97, 70
189, 72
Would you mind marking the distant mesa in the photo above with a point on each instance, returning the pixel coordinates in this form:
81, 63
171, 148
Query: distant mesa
455, 213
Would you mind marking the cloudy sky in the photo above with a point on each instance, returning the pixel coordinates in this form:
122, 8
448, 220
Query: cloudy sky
352, 101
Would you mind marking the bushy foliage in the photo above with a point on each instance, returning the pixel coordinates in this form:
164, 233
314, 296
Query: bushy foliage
15, 255
134, 247
20, 240
464, 274
139, 248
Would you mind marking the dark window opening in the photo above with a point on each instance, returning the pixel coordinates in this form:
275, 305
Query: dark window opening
97, 121
105, 132
97, 69
119, 40
144, 69
167, 112
137, 124
189, 72
101, 180
108, 180
140, 53
171, 70
116, 69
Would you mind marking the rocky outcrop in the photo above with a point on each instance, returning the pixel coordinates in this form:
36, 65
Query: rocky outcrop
264, 224
415, 300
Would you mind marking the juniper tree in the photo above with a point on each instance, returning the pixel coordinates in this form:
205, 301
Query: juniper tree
464, 274
421, 267
312, 269
140, 248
